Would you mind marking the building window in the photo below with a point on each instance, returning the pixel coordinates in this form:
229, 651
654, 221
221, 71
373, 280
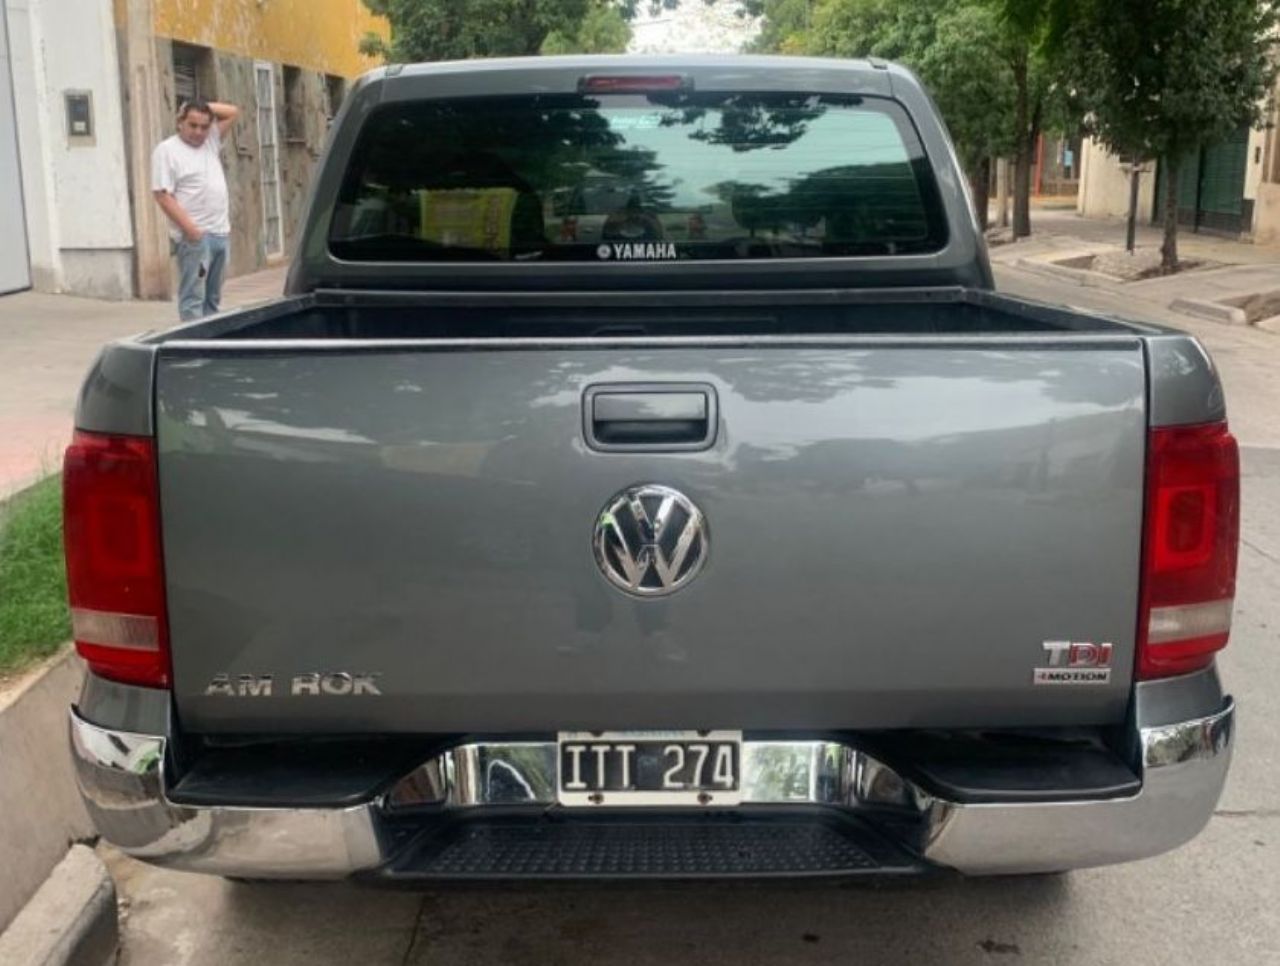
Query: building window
335, 89
269, 167
192, 74
295, 116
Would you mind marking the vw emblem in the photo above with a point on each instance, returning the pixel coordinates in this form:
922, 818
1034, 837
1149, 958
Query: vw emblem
651, 540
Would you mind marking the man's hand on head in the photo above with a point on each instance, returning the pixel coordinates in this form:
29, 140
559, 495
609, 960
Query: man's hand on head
225, 115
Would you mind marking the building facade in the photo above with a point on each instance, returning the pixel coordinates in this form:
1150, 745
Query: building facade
67, 123
90, 101
15, 250
1230, 187
1056, 171
1266, 206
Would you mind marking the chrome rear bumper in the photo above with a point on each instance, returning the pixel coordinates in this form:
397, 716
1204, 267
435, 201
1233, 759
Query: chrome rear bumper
1184, 766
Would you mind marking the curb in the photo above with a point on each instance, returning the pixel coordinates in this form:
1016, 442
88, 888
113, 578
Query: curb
1080, 276
70, 921
1213, 311
41, 811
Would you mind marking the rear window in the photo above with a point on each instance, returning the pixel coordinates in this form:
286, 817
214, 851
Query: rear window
631, 177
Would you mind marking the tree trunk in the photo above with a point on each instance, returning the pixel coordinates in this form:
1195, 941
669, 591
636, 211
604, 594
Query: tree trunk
1022, 193
1169, 250
1002, 190
980, 180
1025, 148
1131, 230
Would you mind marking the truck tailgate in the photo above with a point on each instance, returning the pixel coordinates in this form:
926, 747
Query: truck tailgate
896, 528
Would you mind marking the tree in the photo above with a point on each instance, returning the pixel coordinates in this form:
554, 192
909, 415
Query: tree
1024, 31
1160, 78
959, 48
459, 29
974, 92
784, 27
604, 30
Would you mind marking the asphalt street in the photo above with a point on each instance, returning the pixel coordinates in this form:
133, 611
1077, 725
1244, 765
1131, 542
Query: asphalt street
1217, 900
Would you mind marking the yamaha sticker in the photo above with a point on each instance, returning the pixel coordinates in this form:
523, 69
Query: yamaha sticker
636, 251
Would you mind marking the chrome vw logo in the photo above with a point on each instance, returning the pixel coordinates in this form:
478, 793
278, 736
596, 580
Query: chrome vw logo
651, 540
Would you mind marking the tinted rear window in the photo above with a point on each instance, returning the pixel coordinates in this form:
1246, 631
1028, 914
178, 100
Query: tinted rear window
637, 177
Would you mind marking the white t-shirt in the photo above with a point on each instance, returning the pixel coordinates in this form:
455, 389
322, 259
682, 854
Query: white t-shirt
195, 178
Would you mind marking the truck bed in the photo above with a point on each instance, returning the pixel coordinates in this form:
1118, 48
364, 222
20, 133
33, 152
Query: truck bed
389, 316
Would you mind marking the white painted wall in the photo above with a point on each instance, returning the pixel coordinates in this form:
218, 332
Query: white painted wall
26, 52
93, 211
15, 262
77, 195
1104, 185
1253, 164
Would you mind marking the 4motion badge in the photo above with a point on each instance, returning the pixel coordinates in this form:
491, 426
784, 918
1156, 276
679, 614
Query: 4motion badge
1075, 662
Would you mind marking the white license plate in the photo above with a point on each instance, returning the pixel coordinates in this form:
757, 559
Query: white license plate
687, 768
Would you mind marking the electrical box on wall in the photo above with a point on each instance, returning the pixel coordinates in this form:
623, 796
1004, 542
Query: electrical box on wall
79, 106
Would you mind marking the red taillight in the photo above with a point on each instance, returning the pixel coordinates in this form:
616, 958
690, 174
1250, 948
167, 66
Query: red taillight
1189, 553
115, 576
631, 83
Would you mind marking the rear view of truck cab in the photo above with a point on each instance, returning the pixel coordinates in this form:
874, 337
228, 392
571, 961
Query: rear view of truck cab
743, 531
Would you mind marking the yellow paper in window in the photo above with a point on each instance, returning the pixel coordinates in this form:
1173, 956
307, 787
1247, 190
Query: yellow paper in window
468, 218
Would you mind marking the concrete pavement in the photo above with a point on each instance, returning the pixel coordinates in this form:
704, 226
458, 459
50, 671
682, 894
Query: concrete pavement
1057, 224
1169, 910
1212, 901
71, 921
1215, 292
48, 342
35, 828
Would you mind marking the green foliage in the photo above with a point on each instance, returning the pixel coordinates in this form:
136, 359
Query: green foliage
876, 28
1157, 78
604, 30
785, 28
1160, 78
34, 618
973, 88
959, 48
424, 30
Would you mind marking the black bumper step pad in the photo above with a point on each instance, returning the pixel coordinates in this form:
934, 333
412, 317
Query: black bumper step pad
651, 850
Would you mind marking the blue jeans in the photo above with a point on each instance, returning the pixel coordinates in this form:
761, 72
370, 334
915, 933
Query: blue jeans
201, 266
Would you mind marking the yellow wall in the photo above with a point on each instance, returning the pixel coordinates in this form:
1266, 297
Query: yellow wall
321, 35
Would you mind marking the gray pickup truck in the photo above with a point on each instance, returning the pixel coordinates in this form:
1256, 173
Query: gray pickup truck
640, 478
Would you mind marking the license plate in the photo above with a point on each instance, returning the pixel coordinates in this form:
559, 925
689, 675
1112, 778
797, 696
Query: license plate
699, 768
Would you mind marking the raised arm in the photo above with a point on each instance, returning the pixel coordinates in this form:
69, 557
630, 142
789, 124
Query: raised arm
225, 115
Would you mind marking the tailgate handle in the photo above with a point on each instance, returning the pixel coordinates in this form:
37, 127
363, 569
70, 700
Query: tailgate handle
650, 417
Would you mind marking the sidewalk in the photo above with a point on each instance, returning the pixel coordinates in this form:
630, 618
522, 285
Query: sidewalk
1058, 235
48, 342
1058, 226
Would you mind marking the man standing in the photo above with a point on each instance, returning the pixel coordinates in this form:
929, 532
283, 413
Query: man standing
191, 188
